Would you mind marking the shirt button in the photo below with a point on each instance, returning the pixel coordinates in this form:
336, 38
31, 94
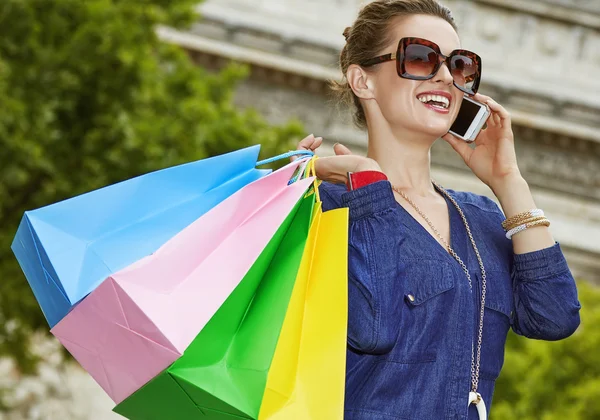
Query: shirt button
411, 298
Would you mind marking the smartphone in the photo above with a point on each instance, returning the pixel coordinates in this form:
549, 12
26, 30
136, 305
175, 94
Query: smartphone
470, 120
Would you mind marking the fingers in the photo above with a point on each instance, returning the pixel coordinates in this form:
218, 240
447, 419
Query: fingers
310, 142
330, 169
481, 98
497, 109
340, 149
306, 143
317, 143
497, 119
460, 146
493, 121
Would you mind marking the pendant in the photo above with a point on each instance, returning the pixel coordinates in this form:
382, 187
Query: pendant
475, 398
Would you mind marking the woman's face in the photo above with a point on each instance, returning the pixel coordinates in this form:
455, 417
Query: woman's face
398, 98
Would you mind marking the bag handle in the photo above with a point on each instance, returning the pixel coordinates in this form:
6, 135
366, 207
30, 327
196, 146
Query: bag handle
307, 171
291, 153
311, 171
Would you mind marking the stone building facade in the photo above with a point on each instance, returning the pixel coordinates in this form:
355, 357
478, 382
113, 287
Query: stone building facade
542, 61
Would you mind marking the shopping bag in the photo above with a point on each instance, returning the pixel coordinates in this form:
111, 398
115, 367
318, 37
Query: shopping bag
316, 343
307, 375
142, 318
222, 374
67, 249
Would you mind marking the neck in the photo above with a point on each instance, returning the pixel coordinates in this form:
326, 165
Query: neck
405, 158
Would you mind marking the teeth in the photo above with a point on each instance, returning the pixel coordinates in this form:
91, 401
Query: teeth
437, 98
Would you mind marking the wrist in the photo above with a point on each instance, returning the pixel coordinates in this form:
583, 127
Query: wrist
369, 165
509, 185
514, 196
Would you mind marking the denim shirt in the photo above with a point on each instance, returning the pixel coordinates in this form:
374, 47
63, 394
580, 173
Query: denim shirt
413, 318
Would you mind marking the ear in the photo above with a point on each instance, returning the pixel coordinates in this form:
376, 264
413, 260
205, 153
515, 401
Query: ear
361, 82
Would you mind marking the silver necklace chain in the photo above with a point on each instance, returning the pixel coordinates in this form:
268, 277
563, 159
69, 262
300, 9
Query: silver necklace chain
475, 361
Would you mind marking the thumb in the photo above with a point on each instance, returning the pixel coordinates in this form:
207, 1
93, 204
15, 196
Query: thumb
340, 149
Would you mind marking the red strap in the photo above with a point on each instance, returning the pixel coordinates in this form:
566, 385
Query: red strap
363, 178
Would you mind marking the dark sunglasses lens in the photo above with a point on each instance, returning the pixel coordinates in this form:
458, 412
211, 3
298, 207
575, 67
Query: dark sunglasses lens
419, 60
464, 70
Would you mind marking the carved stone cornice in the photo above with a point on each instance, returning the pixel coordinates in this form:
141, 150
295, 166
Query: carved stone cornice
580, 12
534, 54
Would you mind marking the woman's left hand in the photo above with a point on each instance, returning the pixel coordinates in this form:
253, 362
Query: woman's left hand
493, 159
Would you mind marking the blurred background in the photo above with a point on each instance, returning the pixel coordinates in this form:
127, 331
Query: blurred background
96, 91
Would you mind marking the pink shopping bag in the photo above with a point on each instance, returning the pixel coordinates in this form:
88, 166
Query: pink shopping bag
142, 318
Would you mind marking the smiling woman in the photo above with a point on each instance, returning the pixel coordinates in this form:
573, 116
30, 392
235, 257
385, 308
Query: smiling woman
398, 87
371, 40
435, 280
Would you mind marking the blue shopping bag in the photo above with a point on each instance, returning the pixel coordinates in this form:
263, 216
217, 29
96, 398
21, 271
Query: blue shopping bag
67, 249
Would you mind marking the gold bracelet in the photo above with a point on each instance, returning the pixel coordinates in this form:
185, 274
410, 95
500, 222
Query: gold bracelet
526, 221
519, 218
521, 228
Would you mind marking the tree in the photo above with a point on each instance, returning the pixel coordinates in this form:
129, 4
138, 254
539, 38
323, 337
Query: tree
90, 97
560, 380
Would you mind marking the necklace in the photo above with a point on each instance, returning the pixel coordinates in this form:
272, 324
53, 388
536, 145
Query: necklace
474, 396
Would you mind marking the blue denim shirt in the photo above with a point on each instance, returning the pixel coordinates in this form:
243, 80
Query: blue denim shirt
410, 358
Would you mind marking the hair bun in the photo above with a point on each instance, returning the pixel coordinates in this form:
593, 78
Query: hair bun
347, 32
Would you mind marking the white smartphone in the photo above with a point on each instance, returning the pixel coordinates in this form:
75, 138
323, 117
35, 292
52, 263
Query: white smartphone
470, 120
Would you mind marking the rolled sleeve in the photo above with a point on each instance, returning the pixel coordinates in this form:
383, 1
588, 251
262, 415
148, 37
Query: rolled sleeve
546, 301
538, 265
369, 200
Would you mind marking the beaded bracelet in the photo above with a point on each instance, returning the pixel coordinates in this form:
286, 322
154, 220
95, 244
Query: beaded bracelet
524, 222
521, 217
520, 228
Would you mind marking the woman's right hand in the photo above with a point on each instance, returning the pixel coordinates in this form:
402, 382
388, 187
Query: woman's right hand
335, 168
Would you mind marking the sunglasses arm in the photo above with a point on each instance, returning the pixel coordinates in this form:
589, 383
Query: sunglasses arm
380, 59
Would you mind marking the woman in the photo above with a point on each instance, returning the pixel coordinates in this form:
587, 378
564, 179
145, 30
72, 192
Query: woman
430, 300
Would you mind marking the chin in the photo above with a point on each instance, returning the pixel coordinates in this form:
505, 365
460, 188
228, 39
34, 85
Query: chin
433, 124
435, 131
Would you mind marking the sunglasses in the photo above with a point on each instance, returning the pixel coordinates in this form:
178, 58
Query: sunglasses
420, 59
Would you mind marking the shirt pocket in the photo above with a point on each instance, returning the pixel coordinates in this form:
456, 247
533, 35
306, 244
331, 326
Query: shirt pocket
428, 303
497, 319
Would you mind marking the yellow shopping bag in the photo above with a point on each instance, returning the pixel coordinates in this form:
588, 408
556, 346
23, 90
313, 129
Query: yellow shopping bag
307, 375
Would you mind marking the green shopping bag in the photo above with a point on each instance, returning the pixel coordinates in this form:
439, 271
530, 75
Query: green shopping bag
223, 373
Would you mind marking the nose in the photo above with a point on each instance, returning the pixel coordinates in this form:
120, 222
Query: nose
443, 75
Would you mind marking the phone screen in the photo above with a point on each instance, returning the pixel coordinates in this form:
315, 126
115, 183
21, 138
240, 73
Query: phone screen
466, 115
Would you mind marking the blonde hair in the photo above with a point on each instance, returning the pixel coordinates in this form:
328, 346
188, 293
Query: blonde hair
370, 33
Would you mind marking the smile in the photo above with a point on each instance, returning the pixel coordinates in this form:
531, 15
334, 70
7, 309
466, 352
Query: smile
436, 101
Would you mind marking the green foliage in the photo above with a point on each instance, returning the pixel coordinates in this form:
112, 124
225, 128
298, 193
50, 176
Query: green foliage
90, 97
554, 380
